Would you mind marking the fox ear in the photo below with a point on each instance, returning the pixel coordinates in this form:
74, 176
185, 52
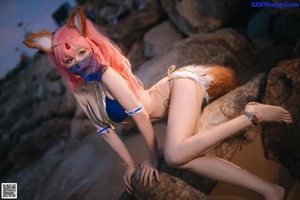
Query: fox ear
78, 20
40, 40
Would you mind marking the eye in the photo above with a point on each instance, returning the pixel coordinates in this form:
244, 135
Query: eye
82, 52
69, 62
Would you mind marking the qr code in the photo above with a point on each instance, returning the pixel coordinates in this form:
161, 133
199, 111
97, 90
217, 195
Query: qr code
9, 190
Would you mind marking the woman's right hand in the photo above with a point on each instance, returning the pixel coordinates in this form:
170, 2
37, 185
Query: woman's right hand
127, 178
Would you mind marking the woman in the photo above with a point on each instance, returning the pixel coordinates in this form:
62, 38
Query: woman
108, 92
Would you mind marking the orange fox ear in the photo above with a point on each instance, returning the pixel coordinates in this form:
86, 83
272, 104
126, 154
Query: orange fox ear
78, 20
41, 40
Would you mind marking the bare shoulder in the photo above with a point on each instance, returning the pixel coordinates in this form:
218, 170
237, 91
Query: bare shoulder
110, 75
113, 81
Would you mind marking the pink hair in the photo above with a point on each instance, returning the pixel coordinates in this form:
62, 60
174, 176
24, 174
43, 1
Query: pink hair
105, 51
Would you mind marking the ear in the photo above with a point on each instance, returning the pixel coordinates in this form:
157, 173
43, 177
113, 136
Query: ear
78, 20
41, 40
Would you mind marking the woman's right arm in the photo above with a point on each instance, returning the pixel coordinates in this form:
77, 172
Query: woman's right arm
119, 147
114, 141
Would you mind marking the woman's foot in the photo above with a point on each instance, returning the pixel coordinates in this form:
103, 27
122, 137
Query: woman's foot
269, 113
276, 193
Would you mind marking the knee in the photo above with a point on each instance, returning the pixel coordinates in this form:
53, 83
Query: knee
173, 158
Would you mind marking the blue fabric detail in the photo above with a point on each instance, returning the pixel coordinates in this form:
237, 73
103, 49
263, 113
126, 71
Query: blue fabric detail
103, 130
135, 111
114, 110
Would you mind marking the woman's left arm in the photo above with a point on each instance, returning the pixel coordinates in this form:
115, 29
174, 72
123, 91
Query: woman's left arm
119, 89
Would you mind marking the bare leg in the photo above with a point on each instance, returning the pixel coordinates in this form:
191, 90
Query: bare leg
183, 145
183, 149
225, 171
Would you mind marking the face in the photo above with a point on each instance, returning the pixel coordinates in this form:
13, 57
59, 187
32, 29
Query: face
80, 54
84, 65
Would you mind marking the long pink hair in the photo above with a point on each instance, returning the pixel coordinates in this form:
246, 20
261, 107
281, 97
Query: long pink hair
105, 51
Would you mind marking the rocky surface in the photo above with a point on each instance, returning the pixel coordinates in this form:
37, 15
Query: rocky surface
281, 141
225, 47
35, 114
196, 16
160, 38
135, 25
47, 144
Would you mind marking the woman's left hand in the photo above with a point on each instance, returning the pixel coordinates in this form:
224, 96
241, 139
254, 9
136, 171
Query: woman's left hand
148, 170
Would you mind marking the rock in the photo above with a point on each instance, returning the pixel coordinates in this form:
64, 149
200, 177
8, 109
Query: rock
160, 38
221, 110
281, 141
68, 104
258, 30
286, 28
129, 29
32, 145
34, 177
168, 187
232, 104
29, 118
224, 47
196, 16
297, 50
136, 54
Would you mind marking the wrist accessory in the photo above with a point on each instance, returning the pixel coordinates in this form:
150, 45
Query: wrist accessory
252, 118
103, 130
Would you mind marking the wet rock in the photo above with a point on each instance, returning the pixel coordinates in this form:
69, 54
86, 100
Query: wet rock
282, 141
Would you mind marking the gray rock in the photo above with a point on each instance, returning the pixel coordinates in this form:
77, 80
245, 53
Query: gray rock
224, 47
196, 16
129, 29
160, 38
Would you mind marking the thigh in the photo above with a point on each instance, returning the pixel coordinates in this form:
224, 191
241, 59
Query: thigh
184, 111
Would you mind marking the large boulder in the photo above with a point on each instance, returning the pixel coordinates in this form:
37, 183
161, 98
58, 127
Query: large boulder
282, 141
224, 47
196, 16
160, 38
129, 29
